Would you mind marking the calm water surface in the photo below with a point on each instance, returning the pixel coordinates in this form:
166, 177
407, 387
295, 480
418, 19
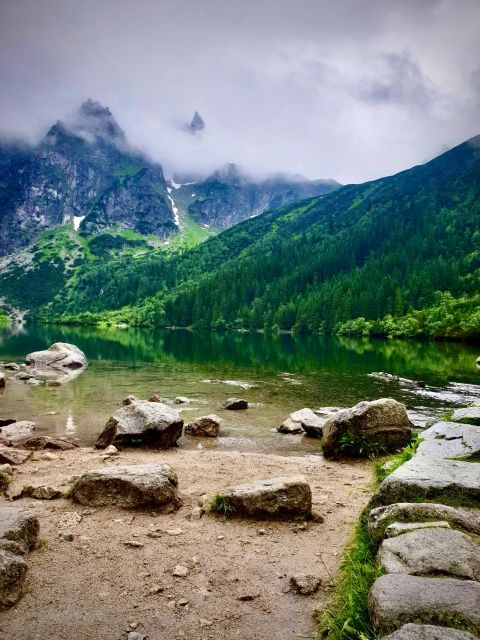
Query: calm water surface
276, 374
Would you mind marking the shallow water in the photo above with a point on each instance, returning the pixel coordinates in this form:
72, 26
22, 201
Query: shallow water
276, 374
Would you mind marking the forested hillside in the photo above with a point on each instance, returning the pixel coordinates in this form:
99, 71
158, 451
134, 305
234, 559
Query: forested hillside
381, 248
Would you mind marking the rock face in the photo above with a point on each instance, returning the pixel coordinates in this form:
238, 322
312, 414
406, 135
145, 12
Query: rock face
18, 431
235, 404
397, 599
281, 498
382, 517
152, 423
304, 420
450, 440
431, 551
129, 487
428, 632
205, 426
19, 525
469, 415
60, 356
381, 425
428, 478
13, 570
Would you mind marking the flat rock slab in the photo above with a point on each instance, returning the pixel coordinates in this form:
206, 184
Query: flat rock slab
381, 425
304, 420
13, 570
280, 498
19, 525
450, 440
397, 599
205, 426
470, 415
381, 518
38, 443
142, 422
18, 431
399, 528
425, 477
129, 487
432, 551
9, 455
428, 632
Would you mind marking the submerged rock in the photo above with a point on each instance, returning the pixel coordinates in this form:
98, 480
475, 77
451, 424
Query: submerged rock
59, 363
396, 599
235, 404
406, 382
368, 427
290, 426
129, 487
303, 420
428, 632
205, 426
282, 498
149, 423
181, 400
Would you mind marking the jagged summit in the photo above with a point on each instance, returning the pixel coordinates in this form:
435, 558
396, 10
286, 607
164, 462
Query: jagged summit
197, 123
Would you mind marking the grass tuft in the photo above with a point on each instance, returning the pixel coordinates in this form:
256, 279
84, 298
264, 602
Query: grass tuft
221, 505
384, 466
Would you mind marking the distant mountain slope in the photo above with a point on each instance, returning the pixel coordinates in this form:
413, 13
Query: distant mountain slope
381, 247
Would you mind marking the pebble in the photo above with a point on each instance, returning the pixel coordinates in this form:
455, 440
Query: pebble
180, 571
133, 543
262, 532
156, 588
171, 604
174, 532
182, 602
48, 456
135, 635
66, 535
220, 537
197, 513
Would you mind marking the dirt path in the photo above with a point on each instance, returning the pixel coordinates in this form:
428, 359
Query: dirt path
95, 587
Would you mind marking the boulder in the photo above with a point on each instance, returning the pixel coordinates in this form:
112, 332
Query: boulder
205, 426
289, 426
469, 415
381, 518
38, 443
41, 492
60, 355
181, 400
235, 404
151, 423
368, 427
431, 551
13, 570
450, 440
19, 525
278, 498
129, 487
2, 380
18, 431
304, 420
429, 478
9, 455
396, 599
428, 632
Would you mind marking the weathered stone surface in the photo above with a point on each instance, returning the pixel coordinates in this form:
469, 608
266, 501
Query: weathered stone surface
381, 425
153, 422
303, 420
9, 455
469, 415
60, 355
13, 570
235, 404
38, 443
399, 528
19, 525
129, 487
396, 599
305, 583
382, 517
289, 426
41, 492
425, 477
18, 431
428, 632
431, 551
450, 440
205, 426
283, 497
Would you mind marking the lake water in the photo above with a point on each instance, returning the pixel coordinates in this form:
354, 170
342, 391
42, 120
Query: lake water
276, 374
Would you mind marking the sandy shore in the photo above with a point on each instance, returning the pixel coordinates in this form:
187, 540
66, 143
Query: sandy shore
95, 586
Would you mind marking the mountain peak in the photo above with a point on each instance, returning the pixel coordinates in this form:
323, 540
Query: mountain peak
95, 119
197, 123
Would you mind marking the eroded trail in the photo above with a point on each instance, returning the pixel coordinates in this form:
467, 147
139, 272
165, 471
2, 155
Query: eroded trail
95, 586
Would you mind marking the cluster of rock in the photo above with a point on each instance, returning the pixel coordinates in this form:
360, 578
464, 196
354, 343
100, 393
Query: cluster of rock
19, 439
429, 551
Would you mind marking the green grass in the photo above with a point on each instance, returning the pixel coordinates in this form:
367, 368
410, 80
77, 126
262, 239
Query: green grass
384, 466
221, 505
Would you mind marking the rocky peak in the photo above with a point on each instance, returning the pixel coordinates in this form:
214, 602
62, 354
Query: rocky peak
197, 123
95, 119
229, 174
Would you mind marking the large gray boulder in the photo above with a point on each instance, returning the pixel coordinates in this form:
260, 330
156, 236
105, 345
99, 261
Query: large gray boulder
13, 570
427, 478
277, 498
129, 487
18, 431
368, 427
431, 551
205, 426
142, 422
396, 599
469, 415
60, 355
428, 632
303, 420
19, 525
381, 518
450, 440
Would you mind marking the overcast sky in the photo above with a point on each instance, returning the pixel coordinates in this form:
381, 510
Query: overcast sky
344, 89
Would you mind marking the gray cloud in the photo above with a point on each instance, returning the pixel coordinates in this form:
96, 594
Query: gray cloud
349, 90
